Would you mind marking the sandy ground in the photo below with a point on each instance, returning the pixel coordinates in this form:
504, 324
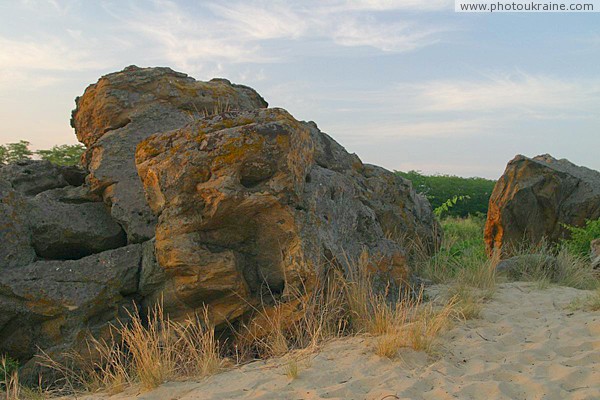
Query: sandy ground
527, 345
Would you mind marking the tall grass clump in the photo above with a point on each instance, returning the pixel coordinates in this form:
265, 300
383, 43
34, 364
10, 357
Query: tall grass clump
10, 388
147, 351
588, 303
306, 318
413, 324
547, 264
346, 304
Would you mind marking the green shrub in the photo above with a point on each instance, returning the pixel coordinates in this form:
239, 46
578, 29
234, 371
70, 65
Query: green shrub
447, 206
581, 237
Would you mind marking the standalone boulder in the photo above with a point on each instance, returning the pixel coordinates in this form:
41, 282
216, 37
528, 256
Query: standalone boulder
256, 203
535, 198
122, 109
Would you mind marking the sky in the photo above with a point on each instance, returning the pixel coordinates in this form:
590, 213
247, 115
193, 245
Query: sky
406, 84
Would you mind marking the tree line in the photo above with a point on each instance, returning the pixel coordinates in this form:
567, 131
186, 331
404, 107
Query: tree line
469, 196
65, 154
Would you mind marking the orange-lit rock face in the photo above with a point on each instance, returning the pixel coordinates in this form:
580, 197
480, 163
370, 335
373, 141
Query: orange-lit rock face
221, 188
254, 204
124, 108
535, 198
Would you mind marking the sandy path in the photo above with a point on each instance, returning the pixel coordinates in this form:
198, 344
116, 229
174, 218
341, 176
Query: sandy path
527, 345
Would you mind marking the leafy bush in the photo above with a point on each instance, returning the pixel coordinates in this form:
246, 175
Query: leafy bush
581, 237
449, 204
440, 188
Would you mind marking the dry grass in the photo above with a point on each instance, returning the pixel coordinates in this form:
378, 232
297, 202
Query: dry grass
307, 318
589, 303
12, 389
292, 369
546, 264
347, 305
418, 326
149, 351
469, 301
9, 382
146, 352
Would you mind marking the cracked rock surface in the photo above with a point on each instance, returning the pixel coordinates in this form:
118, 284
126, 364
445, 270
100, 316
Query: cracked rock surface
194, 194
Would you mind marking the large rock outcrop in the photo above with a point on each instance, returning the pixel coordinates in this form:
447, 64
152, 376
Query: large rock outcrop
536, 197
257, 203
196, 195
124, 108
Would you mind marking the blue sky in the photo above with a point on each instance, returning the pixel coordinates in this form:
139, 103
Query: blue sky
405, 84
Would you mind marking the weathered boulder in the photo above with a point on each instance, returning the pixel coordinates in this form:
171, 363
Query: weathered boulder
595, 253
122, 109
63, 230
31, 177
535, 198
15, 237
43, 216
256, 203
54, 305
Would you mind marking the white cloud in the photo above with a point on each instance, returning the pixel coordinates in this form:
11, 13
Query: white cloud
456, 108
387, 5
518, 93
243, 31
51, 54
201, 37
270, 21
396, 37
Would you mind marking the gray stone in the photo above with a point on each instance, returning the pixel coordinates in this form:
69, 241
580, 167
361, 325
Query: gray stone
71, 230
15, 237
31, 177
152, 276
54, 305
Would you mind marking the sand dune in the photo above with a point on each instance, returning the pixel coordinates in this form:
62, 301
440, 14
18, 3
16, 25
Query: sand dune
527, 345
